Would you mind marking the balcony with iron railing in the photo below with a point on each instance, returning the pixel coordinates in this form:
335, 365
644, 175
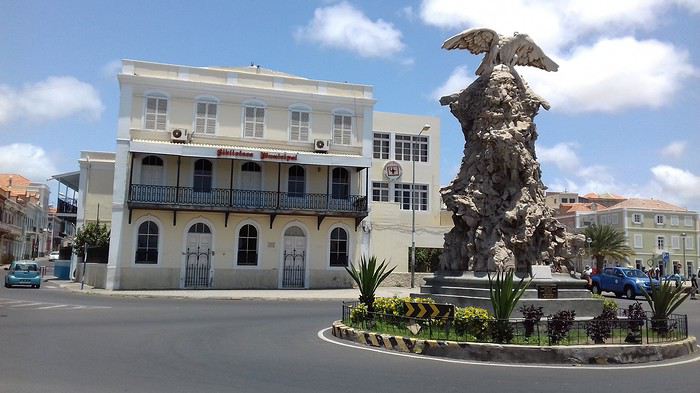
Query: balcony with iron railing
233, 200
67, 206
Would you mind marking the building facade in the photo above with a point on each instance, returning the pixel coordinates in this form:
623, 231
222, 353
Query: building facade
25, 215
251, 178
660, 234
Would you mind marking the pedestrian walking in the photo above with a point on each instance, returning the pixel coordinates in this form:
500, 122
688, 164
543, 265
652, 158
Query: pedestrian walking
694, 287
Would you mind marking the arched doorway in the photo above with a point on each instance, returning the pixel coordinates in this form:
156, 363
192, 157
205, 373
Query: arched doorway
198, 253
294, 258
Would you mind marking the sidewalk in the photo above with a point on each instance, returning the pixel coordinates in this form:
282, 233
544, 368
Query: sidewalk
241, 294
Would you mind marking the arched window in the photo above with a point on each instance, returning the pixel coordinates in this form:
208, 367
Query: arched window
202, 176
152, 171
248, 246
340, 186
296, 184
339, 247
199, 228
147, 243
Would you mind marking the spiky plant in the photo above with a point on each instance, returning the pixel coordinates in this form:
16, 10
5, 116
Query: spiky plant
606, 241
368, 278
663, 300
505, 294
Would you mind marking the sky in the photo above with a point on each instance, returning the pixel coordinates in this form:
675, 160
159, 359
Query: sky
625, 102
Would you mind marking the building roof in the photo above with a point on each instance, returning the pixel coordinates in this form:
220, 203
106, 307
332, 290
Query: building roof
605, 195
647, 204
566, 208
16, 184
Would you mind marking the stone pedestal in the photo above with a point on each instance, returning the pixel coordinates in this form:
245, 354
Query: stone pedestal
472, 289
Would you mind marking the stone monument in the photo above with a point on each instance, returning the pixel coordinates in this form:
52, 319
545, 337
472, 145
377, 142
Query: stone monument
497, 199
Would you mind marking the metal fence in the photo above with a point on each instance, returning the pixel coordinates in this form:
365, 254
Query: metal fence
232, 198
547, 331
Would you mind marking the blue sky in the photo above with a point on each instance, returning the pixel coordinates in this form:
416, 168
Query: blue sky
624, 115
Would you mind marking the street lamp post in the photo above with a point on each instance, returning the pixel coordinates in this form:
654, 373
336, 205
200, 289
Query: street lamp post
684, 263
413, 209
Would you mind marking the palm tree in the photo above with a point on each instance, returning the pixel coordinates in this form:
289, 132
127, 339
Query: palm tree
606, 241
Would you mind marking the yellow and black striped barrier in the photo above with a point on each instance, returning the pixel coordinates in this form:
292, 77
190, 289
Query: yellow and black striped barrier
429, 311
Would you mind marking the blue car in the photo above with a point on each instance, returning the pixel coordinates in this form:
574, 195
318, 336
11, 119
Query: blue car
621, 281
23, 273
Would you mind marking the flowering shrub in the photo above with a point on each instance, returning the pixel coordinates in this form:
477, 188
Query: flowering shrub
472, 321
358, 313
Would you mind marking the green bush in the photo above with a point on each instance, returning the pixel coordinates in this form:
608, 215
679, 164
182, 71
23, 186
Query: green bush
610, 307
395, 305
358, 313
472, 321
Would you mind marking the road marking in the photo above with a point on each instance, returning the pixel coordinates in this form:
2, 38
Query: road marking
323, 337
29, 305
50, 307
25, 305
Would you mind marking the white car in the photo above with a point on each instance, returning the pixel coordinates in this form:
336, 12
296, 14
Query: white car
53, 256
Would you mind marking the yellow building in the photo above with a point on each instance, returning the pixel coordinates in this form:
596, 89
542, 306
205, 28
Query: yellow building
250, 178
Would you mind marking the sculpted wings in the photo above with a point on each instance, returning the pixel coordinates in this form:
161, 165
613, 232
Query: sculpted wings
529, 54
475, 40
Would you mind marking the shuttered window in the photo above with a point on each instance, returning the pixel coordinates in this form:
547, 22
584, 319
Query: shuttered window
156, 117
299, 125
254, 122
205, 118
342, 129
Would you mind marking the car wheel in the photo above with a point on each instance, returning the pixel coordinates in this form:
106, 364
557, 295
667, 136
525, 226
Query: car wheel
595, 289
7, 285
629, 293
618, 294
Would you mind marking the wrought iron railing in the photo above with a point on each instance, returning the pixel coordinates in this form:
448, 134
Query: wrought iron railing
620, 330
67, 206
245, 199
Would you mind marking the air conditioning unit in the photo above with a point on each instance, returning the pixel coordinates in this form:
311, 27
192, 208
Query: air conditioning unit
321, 145
179, 135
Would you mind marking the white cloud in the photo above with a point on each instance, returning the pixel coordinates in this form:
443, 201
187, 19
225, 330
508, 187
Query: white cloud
613, 75
342, 26
457, 81
408, 13
603, 68
553, 24
27, 160
562, 155
112, 69
677, 181
674, 149
54, 98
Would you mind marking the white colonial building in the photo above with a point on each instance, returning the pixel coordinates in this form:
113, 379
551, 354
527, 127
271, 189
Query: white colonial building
250, 178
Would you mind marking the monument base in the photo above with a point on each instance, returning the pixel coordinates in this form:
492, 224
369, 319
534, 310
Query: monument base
560, 292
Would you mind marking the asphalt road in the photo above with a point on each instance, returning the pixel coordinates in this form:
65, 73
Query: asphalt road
52, 340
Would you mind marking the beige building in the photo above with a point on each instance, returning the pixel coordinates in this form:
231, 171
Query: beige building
655, 230
251, 178
25, 215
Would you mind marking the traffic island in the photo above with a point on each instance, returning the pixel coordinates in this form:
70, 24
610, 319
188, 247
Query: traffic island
521, 354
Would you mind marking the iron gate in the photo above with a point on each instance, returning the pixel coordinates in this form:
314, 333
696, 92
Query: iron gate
197, 268
293, 271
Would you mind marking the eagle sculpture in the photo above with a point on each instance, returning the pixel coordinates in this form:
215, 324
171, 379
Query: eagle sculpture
519, 49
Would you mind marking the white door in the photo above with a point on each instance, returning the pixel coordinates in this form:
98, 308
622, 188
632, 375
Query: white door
198, 257
294, 258
152, 175
250, 184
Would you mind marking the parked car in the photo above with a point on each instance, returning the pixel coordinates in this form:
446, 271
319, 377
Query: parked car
676, 278
23, 273
53, 256
622, 281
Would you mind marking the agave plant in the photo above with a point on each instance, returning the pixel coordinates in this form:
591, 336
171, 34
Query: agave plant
664, 300
504, 297
368, 278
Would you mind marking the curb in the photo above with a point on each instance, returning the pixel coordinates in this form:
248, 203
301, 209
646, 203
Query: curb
507, 353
